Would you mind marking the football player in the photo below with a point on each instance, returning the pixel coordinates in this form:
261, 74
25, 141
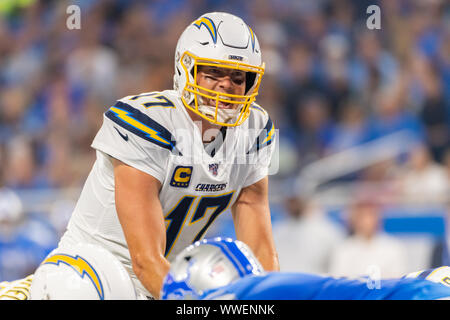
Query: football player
170, 162
225, 269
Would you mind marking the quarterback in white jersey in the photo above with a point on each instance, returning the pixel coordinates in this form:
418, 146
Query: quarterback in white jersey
170, 162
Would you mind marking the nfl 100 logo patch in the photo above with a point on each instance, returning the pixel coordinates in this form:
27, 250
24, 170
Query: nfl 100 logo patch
213, 168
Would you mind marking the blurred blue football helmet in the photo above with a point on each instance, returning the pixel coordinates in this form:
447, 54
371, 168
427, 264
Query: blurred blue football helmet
208, 264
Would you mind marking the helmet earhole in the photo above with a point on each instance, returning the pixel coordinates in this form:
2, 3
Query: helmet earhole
250, 78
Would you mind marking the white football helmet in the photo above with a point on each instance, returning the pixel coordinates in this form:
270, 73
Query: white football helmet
208, 264
221, 40
81, 272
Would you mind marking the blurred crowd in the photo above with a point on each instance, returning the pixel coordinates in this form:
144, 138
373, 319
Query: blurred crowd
331, 84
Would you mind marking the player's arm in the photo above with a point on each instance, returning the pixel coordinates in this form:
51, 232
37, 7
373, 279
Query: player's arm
251, 216
141, 216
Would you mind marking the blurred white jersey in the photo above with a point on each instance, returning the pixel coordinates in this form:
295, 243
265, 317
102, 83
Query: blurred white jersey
154, 133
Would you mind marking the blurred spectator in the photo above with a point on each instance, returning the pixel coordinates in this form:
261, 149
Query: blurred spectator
20, 161
441, 249
59, 215
299, 80
423, 181
341, 17
93, 65
446, 163
390, 115
305, 238
372, 65
368, 250
315, 128
13, 259
440, 255
13, 106
443, 66
351, 129
24, 240
381, 181
335, 71
428, 31
428, 96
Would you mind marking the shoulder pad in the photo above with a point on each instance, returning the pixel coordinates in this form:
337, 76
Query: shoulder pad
141, 124
148, 100
260, 120
258, 108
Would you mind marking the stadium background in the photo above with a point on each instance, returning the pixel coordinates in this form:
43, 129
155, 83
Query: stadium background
363, 115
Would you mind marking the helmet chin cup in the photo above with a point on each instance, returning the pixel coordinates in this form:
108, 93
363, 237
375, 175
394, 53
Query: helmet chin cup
223, 115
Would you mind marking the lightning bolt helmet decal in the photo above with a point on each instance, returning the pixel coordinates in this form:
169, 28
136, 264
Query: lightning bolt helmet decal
81, 266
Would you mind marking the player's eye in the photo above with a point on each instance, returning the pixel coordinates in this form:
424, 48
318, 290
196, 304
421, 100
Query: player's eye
238, 78
216, 72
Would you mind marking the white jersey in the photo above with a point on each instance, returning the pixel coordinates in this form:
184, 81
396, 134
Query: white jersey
154, 133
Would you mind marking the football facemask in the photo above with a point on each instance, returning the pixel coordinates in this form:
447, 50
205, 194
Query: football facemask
239, 109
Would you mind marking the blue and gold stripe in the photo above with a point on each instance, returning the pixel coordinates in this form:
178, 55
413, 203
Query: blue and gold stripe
257, 107
209, 25
265, 138
252, 38
142, 125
